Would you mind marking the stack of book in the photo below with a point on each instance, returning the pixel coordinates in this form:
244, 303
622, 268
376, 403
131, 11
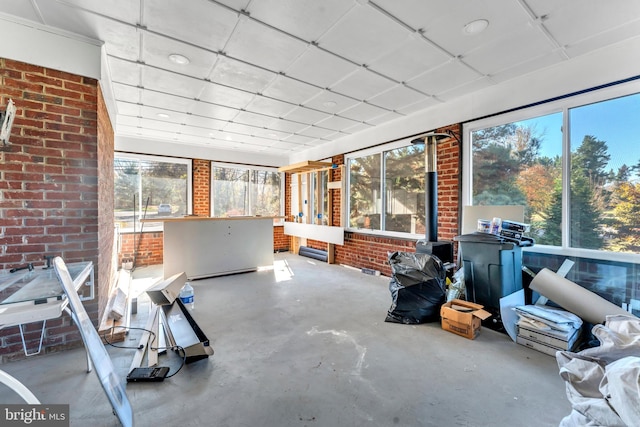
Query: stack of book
547, 329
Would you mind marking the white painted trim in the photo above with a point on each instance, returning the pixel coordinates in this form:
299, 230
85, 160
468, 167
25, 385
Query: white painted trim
322, 233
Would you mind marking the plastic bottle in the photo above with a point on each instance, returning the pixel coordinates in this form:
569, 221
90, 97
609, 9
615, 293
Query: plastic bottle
186, 295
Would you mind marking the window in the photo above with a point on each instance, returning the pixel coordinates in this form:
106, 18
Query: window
580, 187
386, 190
245, 191
150, 187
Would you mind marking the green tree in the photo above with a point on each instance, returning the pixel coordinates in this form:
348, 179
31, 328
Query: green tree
626, 219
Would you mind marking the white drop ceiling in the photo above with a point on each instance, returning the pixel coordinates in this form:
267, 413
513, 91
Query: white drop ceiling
279, 77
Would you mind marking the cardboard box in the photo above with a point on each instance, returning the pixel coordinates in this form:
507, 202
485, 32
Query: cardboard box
463, 317
166, 291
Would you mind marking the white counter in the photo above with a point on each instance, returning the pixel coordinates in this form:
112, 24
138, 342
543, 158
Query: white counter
207, 247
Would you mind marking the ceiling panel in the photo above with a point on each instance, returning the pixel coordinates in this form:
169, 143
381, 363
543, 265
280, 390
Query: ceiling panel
290, 90
156, 51
263, 46
451, 75
364, 35
295, 72
330, 102
306, 19
363, 112
320, 68
230, 72
413, 57
270, 107
306, 115
397, 97
363, 84
203, 23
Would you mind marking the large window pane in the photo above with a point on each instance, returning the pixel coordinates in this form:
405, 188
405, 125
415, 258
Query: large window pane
149, 188
265, 193
243, 191
605, 189
230, 191
365, 194
404, 187
520, 163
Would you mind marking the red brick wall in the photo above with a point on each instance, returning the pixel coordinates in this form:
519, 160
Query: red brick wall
281, 242
149, 245
107, 262
201, 187
49, 185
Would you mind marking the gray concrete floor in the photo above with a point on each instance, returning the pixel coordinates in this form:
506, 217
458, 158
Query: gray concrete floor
305, 344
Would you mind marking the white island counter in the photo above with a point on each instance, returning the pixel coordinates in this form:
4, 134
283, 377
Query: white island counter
207, 247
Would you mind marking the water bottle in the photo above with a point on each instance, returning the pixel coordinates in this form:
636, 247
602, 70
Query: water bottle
186, 295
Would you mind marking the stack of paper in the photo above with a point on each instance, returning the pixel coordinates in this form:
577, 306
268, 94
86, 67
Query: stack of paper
547, 329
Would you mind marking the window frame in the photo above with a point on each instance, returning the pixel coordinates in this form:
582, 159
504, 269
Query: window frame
379, 149
562, 105
164, 159
276, 221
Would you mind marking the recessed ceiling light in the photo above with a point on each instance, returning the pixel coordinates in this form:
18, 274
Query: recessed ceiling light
475, 27
176, 58
163, 115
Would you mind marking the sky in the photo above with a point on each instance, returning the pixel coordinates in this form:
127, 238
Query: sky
617, 122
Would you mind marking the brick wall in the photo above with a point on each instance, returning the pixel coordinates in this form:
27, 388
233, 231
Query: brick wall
201, 187
107, 251
149, 246
49, 185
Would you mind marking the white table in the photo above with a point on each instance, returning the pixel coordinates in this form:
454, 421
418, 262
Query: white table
37, 296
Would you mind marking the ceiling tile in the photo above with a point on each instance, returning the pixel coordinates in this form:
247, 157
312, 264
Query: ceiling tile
384, 118
127, 109
203, 23
363, 112
239, 128
330, 102
357, 128
300, 139
363, 84
207, 109
270, 107
441, 79
157, 50
364, 35
171, 83
336, 123
257, 120
204, 122
307, 19
316, 132
157, 114
287, 126
397, 97
320, 68
305, 115
231, 72
121, 10
126, 72
522, 46
127, 93
290, 90
263, 46
413, 57
163, 100
420, 105
271, 134
224, 95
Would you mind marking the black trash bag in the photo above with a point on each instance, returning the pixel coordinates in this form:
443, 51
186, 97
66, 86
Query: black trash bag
418, 288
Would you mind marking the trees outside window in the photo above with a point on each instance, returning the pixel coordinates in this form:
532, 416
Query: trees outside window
522, 163
244, 191
386, 190
148, 186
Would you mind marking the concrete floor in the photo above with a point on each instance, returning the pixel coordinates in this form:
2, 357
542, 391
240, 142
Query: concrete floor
306, 344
